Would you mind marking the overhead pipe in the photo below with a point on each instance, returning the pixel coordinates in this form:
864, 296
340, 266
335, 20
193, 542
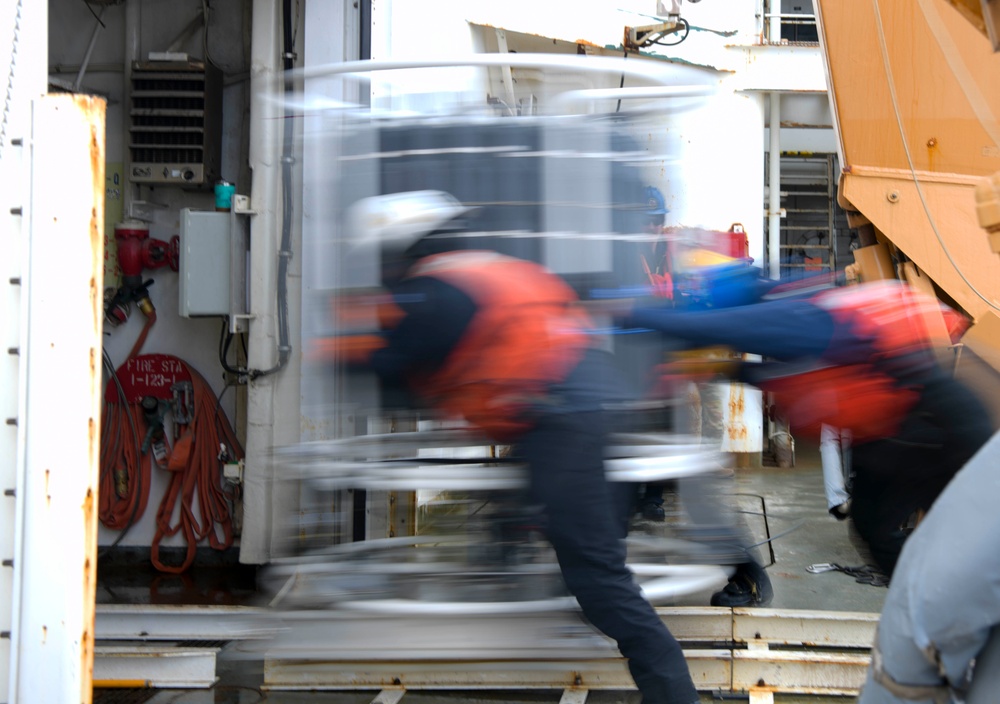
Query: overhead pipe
265, 116
774, 22
774, 190
193, 26
774, 153
90, 50
91, 67
272, 410
287, 159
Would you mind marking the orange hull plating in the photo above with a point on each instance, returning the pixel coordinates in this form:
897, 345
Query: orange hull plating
916, 93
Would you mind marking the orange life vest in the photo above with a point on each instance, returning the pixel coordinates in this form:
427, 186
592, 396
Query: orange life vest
527, 334
899, 319
856, 397
866, 398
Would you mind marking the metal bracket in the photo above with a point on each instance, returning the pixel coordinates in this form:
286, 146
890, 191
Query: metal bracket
241, 205
232, 472
144, 210
239, 254
183, 402
637, 38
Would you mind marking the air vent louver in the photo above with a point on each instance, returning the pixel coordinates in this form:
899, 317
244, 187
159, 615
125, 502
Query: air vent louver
175, 123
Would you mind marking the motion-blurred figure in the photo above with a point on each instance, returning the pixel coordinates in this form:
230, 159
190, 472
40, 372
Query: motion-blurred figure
687, 259
862, 359
656, 267
671, 267
938, 639
501, 343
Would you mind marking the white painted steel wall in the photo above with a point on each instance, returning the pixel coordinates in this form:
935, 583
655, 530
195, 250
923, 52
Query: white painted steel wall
714, 175
23, 46
55, 560
410, 30
273, 401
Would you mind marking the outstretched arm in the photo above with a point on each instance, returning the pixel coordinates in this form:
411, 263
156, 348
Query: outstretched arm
782, 330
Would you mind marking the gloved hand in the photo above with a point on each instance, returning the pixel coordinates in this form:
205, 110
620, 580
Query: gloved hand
722, 286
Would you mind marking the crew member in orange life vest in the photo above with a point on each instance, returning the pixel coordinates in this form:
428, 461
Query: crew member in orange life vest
858, 358
501, 342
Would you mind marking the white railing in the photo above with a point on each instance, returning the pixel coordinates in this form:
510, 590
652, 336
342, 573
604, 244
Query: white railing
769, 23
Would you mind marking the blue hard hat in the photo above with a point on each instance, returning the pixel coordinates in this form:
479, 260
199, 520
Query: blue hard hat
655, 203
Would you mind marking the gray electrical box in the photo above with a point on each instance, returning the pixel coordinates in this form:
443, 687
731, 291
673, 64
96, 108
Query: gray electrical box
204, 272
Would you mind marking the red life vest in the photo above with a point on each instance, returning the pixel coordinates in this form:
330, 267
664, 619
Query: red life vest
527, 334
854, 397
864, 398
899, 319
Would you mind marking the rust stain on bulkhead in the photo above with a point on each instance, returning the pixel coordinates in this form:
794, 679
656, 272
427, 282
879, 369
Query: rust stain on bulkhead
736, 428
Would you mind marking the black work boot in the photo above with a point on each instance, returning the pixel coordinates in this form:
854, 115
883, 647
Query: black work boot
750, 586
653, 511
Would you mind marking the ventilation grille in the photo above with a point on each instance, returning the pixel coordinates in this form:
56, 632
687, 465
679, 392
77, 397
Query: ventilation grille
175, 123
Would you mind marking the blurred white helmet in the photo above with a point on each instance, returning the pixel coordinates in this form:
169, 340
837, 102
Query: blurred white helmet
401, 219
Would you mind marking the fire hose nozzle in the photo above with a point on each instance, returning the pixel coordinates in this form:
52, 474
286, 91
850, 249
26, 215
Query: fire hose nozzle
146, 306
121, 483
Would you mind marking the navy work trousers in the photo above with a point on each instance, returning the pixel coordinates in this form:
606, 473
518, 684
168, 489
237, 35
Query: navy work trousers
902, 476
586, 523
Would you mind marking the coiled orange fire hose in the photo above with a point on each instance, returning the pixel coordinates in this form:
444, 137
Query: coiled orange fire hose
194, 461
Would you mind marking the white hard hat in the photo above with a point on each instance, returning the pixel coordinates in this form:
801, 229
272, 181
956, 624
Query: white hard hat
400, 219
